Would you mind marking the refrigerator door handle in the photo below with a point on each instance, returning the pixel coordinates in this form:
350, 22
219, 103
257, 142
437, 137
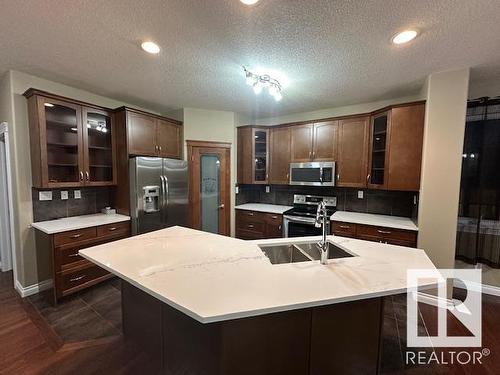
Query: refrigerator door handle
166, 190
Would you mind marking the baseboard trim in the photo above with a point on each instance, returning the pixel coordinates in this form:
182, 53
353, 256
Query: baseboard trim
25, 291
486, 289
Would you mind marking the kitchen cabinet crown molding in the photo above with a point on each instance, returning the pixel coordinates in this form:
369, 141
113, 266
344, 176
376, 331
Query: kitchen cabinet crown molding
313, 121
32, 91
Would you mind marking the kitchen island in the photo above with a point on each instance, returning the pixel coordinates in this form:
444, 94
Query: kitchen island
201, 303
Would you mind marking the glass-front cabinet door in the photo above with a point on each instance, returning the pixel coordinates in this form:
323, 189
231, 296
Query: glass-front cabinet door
98, 147
63, 143
260, 155
377, 174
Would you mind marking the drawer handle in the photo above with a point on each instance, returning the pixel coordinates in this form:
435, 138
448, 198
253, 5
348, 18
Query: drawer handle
74, 279
250, 225
73, 255
383, 231
112, 229
344, 226
250, 214
274, 217
76, 235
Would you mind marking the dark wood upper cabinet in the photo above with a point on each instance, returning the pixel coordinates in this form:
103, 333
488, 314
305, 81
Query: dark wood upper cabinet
245, 162
99, 143
169, 136
142, 134
301, 146
150, 135
72, 143
253, 155
279, 161
379, 150
325, 141
353, 152
405, 145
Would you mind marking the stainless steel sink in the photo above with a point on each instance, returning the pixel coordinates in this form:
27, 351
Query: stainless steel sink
286, 253
301, 252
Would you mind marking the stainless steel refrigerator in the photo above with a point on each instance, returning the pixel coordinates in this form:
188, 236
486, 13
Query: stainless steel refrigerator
158, 193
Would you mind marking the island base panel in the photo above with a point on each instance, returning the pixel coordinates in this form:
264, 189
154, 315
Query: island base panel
341, 338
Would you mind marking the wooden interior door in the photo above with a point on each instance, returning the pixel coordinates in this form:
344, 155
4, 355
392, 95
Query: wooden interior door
325, 141
405, 145
353, 152
301, 143
279, 161
209, 186
169, 138
141, 134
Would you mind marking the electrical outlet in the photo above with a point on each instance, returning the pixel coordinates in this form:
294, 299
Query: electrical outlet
360, 194
64, 195
45, 195
237, 190
268, 189
77, 194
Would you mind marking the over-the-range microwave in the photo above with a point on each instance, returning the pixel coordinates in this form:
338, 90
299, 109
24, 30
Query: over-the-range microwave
313, 174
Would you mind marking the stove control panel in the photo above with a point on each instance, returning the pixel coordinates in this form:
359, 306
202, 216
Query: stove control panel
314, 200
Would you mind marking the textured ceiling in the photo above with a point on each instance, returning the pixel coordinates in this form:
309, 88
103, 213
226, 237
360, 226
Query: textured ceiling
332, 52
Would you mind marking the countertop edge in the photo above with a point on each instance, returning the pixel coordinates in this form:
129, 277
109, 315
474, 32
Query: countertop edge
41, 228
261, 209
413, 228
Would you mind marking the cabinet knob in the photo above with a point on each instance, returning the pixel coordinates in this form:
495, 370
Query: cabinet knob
338, 177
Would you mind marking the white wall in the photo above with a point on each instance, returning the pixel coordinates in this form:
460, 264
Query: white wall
209, 125
332, 112
441, 164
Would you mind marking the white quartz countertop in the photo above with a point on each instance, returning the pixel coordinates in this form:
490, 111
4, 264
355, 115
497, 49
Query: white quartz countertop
78, 222
262, 207
396, 222
214, 278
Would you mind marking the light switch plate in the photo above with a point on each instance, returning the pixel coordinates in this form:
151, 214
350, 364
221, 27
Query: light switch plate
360, 194
45, 195
77, 194
64, 195
268, 189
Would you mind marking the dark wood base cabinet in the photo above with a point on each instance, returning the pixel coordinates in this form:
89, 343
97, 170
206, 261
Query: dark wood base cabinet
342, 338
253, 225
69, 271
390, 236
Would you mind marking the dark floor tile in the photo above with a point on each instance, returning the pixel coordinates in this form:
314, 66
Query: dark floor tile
388, 308
110, 309
392, 359
53, 314
84, 324
98, 293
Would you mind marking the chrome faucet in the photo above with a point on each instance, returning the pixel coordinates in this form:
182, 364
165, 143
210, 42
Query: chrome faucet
321, 220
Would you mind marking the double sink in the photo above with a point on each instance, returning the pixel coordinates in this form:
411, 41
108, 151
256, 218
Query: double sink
301, 252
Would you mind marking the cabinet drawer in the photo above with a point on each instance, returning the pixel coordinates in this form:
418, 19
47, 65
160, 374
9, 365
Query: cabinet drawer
74, 236
65, 256
389, 235
273, 219
249, 234
252, 226
341, 228
77, 278
113, 229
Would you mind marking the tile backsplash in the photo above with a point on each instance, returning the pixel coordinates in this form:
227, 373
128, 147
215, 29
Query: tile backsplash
92, 201
395, 203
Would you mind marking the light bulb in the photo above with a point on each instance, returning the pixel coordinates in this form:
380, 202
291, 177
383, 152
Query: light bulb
278, 96
250, 80
273, 90
104, 130
404, 37
257, 88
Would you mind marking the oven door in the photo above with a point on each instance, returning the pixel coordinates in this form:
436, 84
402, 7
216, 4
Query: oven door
313, 174
296, 226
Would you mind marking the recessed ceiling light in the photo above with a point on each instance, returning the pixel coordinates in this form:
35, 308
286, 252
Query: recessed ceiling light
150, 47
48, 104
249, 2
404, 36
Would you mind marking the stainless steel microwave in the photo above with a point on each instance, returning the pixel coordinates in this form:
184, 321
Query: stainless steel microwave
313, 174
